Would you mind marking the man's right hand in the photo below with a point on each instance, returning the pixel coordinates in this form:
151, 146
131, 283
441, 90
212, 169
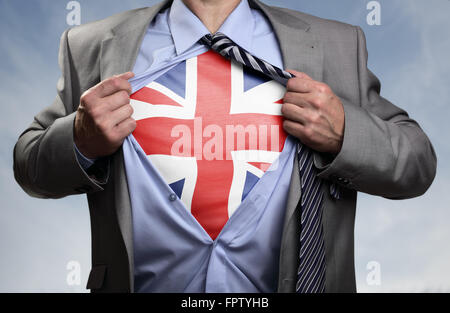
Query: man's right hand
103, 119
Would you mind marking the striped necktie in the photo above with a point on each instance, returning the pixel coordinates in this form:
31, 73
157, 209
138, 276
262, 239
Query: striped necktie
311, 271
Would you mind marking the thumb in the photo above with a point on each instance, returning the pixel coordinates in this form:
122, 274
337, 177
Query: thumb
126, 75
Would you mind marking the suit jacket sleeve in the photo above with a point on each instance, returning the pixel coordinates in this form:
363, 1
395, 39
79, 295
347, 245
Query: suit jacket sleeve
384, 152
45, 163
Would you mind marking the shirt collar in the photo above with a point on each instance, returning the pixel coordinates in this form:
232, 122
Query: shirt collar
186, 28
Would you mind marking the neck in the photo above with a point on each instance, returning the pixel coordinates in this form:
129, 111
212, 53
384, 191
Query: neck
212, 13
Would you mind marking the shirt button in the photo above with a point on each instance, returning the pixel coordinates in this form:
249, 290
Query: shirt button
173, 197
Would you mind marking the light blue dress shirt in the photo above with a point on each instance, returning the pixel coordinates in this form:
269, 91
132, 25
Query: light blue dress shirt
172, 251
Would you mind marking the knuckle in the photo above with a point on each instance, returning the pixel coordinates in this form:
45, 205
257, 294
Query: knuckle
308, 132
322, 88
86, 98
127, 109
318, 102
130, 110
291, 83
133, 125
287, 125
115, 82
126, 95
101, 87
123, 96
288, 97
284, 108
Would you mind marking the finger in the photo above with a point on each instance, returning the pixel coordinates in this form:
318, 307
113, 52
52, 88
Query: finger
114, 84
116, 100
126, 127
317, 100
121, 114
299, 99
126, 75
299, 84
299, 74
293, 128
294, 113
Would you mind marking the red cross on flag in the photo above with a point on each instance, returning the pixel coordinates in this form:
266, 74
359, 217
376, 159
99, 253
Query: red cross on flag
211, 128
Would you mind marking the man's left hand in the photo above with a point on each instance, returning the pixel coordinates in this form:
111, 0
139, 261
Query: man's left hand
313, 113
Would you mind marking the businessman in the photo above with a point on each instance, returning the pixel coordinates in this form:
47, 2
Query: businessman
221, 145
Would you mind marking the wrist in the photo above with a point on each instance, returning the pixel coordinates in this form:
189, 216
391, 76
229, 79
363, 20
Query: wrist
82, 149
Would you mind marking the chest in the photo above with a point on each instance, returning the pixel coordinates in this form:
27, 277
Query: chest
212, 129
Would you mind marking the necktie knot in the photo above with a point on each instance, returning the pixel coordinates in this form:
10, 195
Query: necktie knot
207, 40
218, 42
226, 47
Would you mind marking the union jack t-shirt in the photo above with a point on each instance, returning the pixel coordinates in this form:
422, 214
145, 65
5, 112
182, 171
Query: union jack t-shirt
212, 129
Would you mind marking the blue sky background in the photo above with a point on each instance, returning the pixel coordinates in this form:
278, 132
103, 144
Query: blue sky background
409, 52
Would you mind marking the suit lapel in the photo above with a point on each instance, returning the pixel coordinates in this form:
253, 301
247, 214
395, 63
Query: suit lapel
300, 49
118, 55
121, 48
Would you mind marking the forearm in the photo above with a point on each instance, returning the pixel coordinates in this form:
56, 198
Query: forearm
384, 152
45, 162
392, 158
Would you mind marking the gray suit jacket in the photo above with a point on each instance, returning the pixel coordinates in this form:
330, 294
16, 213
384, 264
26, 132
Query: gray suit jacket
384, 152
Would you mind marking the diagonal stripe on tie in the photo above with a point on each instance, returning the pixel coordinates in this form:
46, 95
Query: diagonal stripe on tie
311, 271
